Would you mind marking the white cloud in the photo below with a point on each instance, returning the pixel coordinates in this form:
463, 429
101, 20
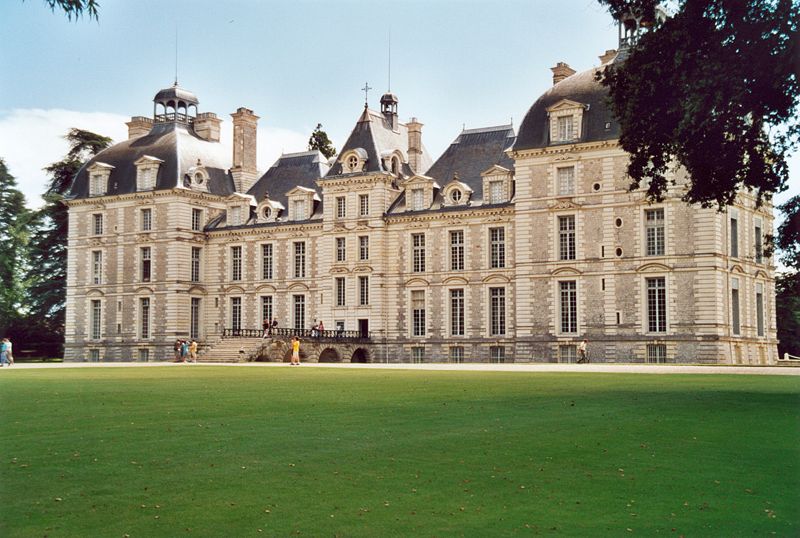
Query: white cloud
31, 139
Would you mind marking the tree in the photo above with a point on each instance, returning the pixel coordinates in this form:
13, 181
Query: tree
75, 8
319, 140
47, 276
713, 89
787, 284
14, 219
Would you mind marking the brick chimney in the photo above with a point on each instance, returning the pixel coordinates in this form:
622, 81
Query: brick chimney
139, 126
608, 56
206, 126
561, 71
244, 170
414, 144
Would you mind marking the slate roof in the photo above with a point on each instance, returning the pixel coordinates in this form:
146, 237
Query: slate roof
289, 171
582, 87
175, 144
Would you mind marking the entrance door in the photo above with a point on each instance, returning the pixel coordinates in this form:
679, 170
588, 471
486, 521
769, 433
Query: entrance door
363, 327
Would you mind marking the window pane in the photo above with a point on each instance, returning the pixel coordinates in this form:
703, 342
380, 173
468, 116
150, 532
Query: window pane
497, 313
566, 237
568, 305
654, 232
656, 305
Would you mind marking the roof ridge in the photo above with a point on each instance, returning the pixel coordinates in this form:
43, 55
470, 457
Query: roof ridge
488, 129
300, 153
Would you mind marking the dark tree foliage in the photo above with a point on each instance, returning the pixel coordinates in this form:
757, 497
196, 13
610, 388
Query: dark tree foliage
48, 245
319, 140
14, 220
75, 8
714, 89
787, 312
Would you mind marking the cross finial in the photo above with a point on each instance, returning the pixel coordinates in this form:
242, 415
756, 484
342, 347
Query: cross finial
366, 90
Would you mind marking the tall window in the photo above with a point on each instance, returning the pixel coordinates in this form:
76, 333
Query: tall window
495, 192
97, 267
95, 319
97, 228
566, 180
236, 216
194, 319
760, 309
197, 220
300, 210
568, 306
497, 354
457, 312
564, 128
759, 242
497, 311
657, 305
657, 353
144, 318
195, 270
299, 311
734, 235
236, 313
363, 290
417, 199
566, 237
144, 355
300, 259
363, 247
457, 354
267, 261
363, 205
418, 312
497, 240
341, 249
654, 231
567, 353
457, 250
735, 320
236, 263
418, 254
146, 219
341, 293
341, 207
145, 255
417, 354
266, 308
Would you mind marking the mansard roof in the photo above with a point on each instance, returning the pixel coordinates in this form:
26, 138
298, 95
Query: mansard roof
289, 171
173, 143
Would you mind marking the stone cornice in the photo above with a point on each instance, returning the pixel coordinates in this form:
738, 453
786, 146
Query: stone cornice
253, 230
563, 149
468, 213
142, 197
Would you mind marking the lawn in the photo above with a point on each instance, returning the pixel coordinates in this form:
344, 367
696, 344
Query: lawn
273, 451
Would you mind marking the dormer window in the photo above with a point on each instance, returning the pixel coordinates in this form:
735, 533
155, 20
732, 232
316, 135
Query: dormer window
496, 192
352, 163
300, 210
147, 172
566, 118
98, 178
268, 210
456, 195
236, 216
417, 199
98, 187
565, 124
266, 213
199, 179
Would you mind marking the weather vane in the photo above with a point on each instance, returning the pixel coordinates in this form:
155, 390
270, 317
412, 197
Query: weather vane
366, 90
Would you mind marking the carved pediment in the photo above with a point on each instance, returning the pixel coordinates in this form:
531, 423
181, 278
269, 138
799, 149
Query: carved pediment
455, 280
565, 104
565, 271
339, 269
564, 204
653, 268
362, 269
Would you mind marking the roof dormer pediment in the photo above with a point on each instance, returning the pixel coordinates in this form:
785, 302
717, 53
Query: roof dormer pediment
100, 167
239, 197
565, 104
147, 159
496, 170
418, 179
303, 191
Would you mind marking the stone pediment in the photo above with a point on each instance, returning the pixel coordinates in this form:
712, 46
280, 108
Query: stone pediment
496, 278
565, 104
496, 170
564, 204
362, 269
653, 268
566, 271
339, 269
455, 280
417, 283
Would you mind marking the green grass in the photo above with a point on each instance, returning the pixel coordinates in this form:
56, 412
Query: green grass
216, 451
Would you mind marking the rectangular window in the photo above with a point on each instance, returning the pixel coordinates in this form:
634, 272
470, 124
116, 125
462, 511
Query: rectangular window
418, 312
657, 353
496, 192
341, 293
145, 263
567, 353
97, 267
734, 236
497, 354
363, 247
341, 207
97, 186
236, 263
418, 354
144, 318
96, 319
299, 311
759, 242
194, 319
146, 178
144, 355
654, 231
418, 246
566, 180
735, 320
97, 228
236, 313
657, 305
457, 312
197, 220
266, 308
147, 219
457, 250
300, 259
341, 249
267, 261
497, 240
94, 355
497, 311
236, 216
457, 354
195, 270
564, 132
363, 290
566, 237
363, 205
760, 309
299, 210
568, 306
417, 199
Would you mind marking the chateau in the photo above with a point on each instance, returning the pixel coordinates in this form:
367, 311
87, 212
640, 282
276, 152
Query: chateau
510, 246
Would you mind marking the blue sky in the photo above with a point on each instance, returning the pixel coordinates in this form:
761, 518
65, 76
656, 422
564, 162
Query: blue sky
453, 63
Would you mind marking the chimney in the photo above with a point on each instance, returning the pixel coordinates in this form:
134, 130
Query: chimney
414, 145
608, 56
244, 170
206, 126
139, 126
561, 71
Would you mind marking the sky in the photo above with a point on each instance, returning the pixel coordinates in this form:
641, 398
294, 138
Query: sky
454, 64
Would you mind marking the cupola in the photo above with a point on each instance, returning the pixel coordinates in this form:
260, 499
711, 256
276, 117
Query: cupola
175, 105
389, 109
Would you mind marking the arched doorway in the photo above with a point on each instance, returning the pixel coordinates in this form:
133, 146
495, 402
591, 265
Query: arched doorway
329, 355
360, 355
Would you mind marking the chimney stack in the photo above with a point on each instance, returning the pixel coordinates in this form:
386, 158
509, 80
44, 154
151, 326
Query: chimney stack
139, 126
244, 170
206, 126
608, 56
414, 145
561, 71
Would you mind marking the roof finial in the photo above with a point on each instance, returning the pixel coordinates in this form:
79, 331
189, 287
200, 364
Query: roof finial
366, 90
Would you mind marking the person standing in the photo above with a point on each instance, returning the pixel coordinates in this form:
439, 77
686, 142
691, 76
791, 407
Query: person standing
273, 326
266, 328
582, 356
295, 351
177, 349
4, 352
10, 352
184, 350
193, 350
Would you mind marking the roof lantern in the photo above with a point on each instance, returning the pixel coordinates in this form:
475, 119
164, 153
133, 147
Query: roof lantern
175, 105
389, 109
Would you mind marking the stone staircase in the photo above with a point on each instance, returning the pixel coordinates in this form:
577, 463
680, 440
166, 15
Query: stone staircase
230, 350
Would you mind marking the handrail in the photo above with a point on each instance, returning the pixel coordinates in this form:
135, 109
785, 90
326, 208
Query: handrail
300, 333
